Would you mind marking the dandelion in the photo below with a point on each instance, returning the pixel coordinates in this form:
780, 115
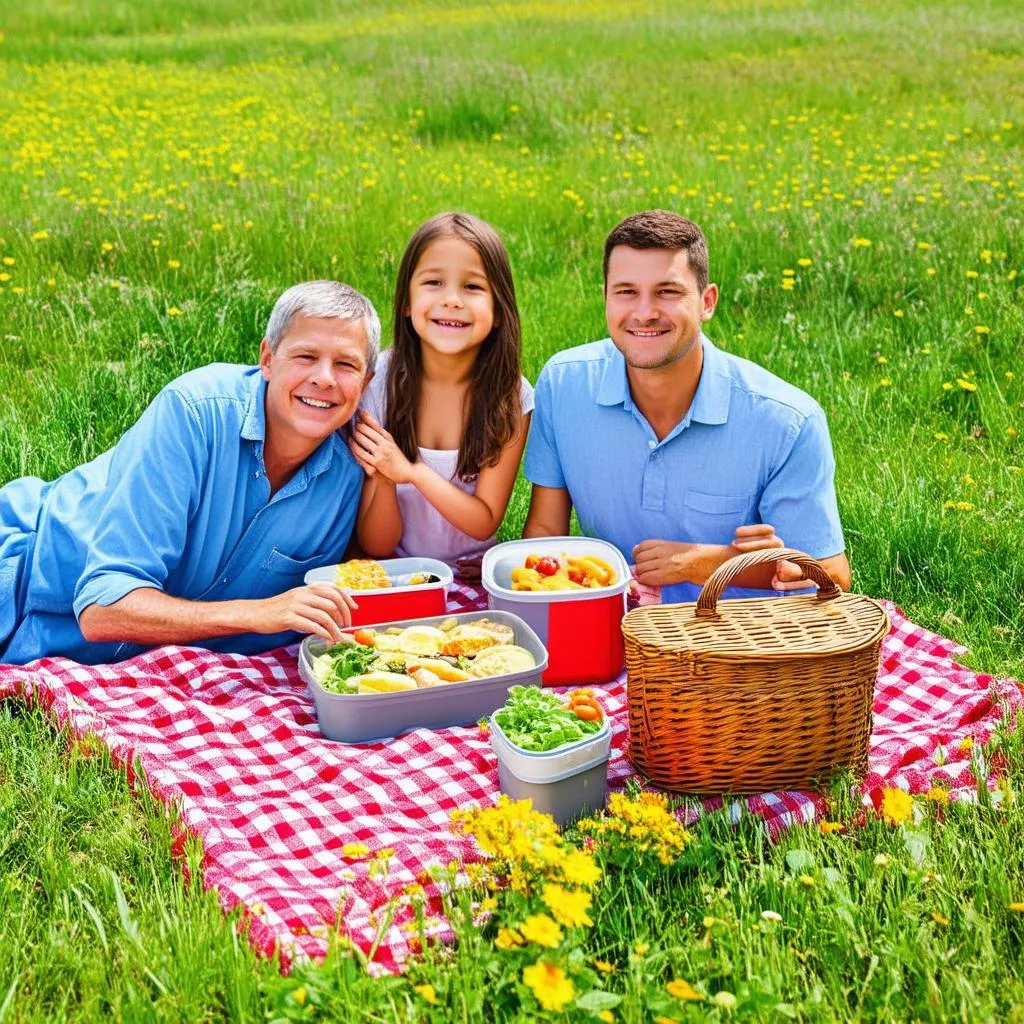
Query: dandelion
604, 966
1016, 908
981, 329
971, 275
553, 990
966, 744
946, 386
106, 246
299, 995
569, 908
427, 992
931, 271
958, 506
40, 236
641, 949
1012, 432
885, 382
9, 261
966, 385
788, 283
173, 311
807, 881
789, 272
607, 1016
924, 246
542, 930
830, 827
355, 851
937, 795
508, 938
862, 243
684, 991
804, 262
940, 919
4, 276
897, 805
898, 313
772, 916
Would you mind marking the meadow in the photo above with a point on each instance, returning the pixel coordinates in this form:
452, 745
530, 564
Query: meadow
167, 169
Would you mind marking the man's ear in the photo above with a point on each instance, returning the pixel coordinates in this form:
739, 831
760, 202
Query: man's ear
265, 356
709, 301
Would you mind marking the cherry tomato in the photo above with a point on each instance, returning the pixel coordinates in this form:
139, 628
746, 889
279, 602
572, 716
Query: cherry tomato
587, 712
547, 566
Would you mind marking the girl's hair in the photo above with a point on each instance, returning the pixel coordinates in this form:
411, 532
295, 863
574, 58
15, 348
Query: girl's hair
495, 410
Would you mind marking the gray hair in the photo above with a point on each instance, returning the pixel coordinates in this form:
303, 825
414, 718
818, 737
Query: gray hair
326, 299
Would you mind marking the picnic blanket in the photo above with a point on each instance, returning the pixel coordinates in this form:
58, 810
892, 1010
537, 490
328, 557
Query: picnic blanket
286, 818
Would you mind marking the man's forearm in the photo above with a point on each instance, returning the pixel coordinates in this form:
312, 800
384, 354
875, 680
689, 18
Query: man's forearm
149, 616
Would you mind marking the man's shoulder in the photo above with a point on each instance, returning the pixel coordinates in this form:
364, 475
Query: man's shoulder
227, 384
581, 359
761, 387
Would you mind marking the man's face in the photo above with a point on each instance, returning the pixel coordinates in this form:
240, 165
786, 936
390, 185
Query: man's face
314, 378
654, 307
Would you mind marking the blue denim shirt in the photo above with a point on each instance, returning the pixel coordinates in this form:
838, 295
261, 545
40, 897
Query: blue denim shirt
751, 449
181, 504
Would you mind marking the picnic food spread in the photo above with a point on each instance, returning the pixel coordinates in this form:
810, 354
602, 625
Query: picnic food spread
537, 721
420, 656
562, 572
369, 574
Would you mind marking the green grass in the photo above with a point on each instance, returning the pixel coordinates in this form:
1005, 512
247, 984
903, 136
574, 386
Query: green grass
266, 142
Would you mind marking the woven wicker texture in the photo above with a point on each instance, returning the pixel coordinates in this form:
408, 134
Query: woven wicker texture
755, 695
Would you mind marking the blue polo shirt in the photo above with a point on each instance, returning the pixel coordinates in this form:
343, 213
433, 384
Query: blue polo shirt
181, 504
751, 449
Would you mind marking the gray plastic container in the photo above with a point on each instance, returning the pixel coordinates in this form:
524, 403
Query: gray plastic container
565, 783
366, 717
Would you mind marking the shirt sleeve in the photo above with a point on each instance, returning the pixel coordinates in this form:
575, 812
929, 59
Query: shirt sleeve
526, 396
542, 465
800, 498
153, 486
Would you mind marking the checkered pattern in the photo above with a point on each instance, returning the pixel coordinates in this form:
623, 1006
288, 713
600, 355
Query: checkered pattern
232, 741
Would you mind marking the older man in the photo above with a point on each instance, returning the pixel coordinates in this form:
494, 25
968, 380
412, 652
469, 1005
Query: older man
677, 452
199, 525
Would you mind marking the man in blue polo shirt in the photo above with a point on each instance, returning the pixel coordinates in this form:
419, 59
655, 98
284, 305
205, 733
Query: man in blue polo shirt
199, 525
678, 453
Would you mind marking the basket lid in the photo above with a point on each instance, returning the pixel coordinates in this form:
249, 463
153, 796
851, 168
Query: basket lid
829, 622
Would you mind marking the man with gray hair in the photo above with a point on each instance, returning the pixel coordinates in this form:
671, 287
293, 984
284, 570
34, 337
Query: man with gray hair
199, 525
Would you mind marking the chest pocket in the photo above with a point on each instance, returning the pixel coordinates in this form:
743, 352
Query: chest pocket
713, 518
278, 563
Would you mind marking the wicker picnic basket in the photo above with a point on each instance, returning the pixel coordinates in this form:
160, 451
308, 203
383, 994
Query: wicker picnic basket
756, 694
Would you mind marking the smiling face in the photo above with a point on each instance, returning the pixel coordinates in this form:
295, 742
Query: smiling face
315, 378
451, 305
655, 306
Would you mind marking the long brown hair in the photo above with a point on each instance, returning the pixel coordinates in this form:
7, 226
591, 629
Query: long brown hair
495, 410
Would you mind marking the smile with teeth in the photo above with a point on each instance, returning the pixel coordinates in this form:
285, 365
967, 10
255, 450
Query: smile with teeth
451, 323
315, 403
639, 332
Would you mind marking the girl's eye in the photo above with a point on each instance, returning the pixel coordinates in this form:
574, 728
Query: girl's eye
475, 287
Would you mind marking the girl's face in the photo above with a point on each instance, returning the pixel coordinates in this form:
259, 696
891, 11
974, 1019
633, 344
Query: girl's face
451, 305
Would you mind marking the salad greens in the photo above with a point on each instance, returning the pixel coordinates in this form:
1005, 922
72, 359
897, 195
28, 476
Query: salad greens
339, 663
534, 720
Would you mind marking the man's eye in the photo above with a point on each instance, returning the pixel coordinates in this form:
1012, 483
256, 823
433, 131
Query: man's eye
305, 357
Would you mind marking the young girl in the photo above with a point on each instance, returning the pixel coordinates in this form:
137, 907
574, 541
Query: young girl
445, 419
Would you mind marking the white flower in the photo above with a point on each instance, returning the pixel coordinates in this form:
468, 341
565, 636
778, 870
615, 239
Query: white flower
770, 915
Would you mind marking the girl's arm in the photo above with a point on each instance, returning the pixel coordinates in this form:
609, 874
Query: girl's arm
479, 515
379, 520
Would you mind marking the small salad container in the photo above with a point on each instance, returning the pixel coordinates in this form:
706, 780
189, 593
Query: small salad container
368, 717
580, 628
567, 782
403, 599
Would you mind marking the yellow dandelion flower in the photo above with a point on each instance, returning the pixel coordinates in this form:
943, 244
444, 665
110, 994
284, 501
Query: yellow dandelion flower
982, 329
807, 881
684, 991
550, 985
4, 276
971, 275
40, 236
1017, 908
641, 948
1012, 432
604, 966
789, 272
384, 853
788, 284
897, 805
931, 271
937, 795
966, 744
299, 995
898, 313
804, 262
665, 1020
427, 993
174, 264
355, 851
940, 919
579, 868
885, 382
217, 227
173, 311
862, 243
542, 930
106, 246
966, 385
508, 938
9, 261
924, 246
958, 506
829, 827
569, 907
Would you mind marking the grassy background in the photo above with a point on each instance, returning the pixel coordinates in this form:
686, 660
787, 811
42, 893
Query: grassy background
167, 169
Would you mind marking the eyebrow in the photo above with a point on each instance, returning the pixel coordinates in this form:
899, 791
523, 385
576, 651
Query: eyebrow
440, 270
658, 284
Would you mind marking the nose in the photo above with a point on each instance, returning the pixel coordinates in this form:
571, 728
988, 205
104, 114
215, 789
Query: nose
452, 298
646, 308
322, 376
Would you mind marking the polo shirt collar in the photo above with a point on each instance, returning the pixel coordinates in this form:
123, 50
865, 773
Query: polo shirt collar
710, 403
254, 428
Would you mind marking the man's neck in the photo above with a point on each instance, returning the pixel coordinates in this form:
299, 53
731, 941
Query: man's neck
665, 395
283, 457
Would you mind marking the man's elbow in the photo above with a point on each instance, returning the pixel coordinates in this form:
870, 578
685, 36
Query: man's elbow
94, 622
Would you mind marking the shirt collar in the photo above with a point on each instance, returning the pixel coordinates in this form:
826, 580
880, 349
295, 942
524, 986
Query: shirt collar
710, 403
254, 428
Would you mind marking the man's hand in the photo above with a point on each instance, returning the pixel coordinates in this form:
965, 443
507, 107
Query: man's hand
660, 563
375, 450
756, 537
319, 608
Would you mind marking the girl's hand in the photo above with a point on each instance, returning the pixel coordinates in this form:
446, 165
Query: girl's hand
756, 537
357, 453
375, 450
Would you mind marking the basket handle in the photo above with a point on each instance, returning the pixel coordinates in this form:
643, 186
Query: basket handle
707, 603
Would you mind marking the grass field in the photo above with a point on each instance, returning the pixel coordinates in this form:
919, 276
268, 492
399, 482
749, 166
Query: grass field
167, 169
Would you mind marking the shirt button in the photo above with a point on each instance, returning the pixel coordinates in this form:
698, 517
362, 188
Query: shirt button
652, 444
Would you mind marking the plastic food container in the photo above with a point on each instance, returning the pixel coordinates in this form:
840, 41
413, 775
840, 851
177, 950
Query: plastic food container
399, 601
580, 628
365, 717
565, 783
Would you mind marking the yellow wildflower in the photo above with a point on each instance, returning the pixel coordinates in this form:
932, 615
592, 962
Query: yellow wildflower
940, 918
807, 881
604, 966
174, 264
938, 795
897, 805
355, 851
299, 995
553, 990
607, 1016
173, 311
508, 938
641, 948
426, 992
40, 236
966, 744
862, 243
966, 385
106, 246
982, 329
683, 990
804, 262
828, 827
1017, 908
9, 261
579, 868
569, 907
541, 929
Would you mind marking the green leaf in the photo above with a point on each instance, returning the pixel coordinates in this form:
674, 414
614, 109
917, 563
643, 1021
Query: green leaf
799, 860
918, 845
597, 1000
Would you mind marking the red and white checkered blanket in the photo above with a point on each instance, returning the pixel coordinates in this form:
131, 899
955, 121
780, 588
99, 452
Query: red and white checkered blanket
233, 742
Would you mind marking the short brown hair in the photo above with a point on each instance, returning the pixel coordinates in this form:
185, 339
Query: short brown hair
661, 229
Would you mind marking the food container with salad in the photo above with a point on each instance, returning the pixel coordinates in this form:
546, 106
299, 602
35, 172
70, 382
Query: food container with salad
572, 592
391, 589
553, 750
425, 673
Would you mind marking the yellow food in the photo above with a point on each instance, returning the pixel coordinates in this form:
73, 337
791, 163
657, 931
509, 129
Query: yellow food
574, 572
468, 641
503, 659
383, 682
420, 640
445, 672
361, 574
